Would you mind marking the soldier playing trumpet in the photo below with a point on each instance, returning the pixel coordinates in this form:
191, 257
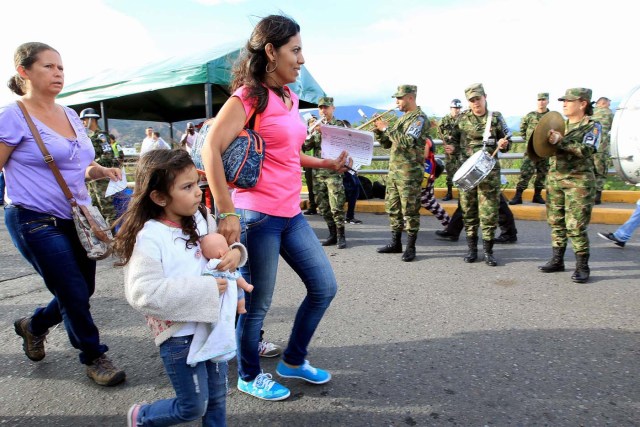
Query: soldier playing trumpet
328, 186
406, 138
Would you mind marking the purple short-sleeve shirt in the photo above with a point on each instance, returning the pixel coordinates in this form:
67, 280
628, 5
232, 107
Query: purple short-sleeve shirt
30, 182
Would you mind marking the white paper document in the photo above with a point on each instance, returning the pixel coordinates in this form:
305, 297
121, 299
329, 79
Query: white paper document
358, 143
116, 186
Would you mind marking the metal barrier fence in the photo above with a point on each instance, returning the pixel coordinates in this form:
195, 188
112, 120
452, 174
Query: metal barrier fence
502, 156
131, 161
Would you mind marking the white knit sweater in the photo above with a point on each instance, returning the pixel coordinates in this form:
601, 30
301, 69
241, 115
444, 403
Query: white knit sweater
169, 302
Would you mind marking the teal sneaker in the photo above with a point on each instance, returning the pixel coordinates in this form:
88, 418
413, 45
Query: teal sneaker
304, 372
263, 387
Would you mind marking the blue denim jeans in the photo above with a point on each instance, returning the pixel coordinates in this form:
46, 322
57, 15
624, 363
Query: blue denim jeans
52, 247
624, 232
266, 238
201, 390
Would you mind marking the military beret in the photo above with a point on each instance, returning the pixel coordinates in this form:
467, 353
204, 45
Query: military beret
543, 95
405, 90
576, 93
474, 90
455, 103
325, 101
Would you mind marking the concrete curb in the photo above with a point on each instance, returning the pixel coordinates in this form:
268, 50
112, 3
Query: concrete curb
602, 214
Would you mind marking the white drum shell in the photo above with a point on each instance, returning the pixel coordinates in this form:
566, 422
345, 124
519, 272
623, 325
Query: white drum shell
474, 170
625, 137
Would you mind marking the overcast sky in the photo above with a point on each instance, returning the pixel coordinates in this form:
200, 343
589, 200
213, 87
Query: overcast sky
360, 50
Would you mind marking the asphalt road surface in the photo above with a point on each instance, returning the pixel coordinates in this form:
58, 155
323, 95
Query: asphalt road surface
434, 342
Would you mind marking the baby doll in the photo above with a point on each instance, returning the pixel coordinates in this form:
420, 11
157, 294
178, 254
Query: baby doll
214, 246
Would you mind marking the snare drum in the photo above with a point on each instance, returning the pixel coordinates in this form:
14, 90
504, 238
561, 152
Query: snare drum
474, 170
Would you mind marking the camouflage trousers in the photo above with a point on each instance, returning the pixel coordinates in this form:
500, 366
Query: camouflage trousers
601, 164
451, 165
480, 206
528, 168
104, 204
569, 205
402, 203
330, 198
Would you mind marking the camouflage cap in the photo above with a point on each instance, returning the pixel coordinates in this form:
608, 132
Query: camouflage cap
405, 90
576, 93
474, 90
543, 95
325, 101
455, 103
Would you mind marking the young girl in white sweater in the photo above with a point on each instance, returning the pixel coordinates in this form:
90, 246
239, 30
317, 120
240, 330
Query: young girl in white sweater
158, 243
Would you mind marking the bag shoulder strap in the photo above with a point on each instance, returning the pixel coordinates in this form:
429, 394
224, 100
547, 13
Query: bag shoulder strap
253, 120
48, 159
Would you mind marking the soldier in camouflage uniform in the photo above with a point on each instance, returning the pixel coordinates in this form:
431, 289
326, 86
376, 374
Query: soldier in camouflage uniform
327, 184
480, 204
571, 184
406, 138
529, 167
603, 115
104, 157
451, 161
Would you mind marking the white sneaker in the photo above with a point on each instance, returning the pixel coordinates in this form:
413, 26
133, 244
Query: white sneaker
269, 349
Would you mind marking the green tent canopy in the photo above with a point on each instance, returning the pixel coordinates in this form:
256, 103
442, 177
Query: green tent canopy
174, 89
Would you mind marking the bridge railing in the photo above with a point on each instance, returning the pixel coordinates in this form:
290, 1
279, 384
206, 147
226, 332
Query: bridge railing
437, 142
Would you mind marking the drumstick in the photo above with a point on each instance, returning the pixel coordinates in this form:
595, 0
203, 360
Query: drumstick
495, 151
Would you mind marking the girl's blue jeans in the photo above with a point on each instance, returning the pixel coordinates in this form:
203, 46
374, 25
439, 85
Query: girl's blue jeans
52, 247
201, 390
267, 238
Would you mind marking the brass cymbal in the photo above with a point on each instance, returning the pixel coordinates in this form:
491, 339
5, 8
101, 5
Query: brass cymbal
538, 146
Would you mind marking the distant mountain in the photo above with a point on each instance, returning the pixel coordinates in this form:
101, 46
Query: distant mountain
513, 122
350, 113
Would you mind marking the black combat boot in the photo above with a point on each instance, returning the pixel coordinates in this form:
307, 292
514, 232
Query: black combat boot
506, 238
394, 246
341, 241
446, 235
472, 253
581, 275
410, 251
487, 245
517, 199
598, 199
333, 238
449, 194
556, 263
537, 197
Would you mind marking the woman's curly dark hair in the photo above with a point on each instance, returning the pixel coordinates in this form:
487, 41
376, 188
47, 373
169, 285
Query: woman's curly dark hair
250, 67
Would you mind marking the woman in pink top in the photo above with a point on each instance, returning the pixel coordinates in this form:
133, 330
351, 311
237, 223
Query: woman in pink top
267, 218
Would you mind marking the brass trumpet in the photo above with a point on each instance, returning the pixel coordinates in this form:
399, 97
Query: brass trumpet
376, 118
321, 121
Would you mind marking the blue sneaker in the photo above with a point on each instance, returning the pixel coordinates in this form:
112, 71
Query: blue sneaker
263, 387
304, 372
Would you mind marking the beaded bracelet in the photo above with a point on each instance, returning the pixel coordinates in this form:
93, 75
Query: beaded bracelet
226, 214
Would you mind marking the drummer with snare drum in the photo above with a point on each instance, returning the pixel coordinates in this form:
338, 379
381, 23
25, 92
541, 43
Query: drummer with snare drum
480, 204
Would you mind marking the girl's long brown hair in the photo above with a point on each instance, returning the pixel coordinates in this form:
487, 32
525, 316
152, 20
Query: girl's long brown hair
157, 170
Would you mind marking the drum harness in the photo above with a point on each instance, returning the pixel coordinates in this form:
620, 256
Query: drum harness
487, 131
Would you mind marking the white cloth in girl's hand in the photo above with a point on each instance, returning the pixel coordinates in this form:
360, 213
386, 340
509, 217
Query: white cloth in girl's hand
217, 342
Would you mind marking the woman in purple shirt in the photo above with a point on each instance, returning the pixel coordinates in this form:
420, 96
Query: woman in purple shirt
37, 214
